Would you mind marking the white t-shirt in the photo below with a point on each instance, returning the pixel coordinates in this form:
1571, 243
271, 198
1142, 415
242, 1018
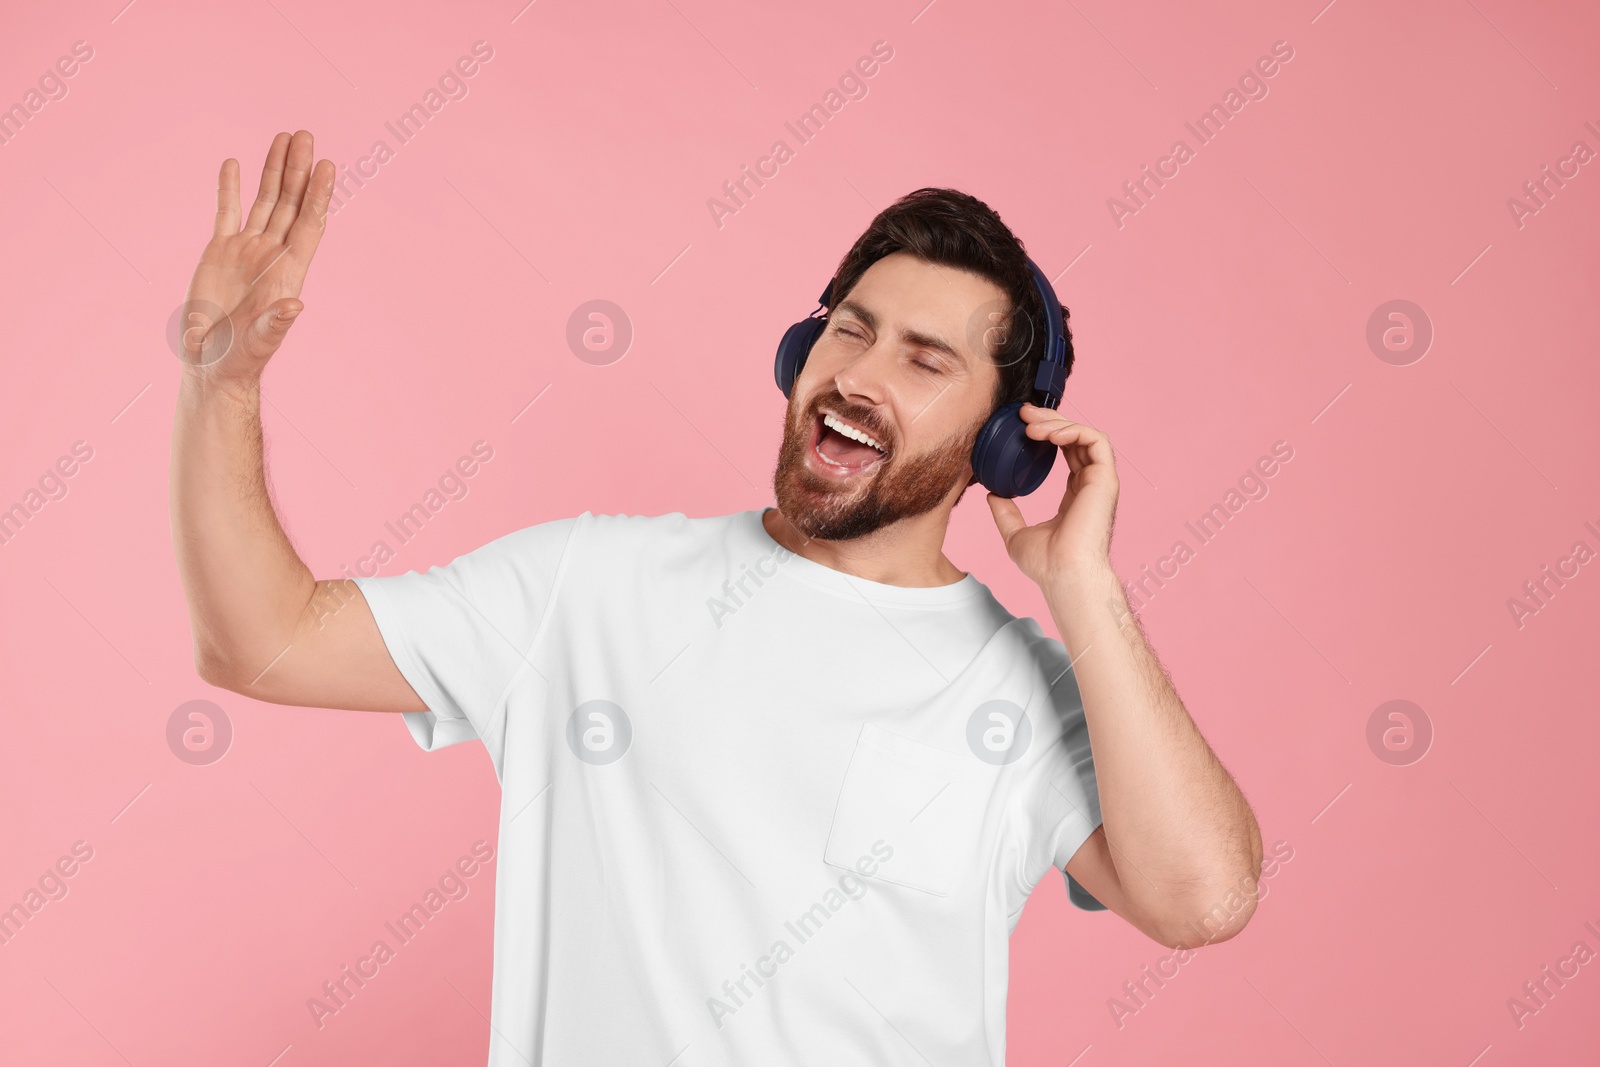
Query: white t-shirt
754, 810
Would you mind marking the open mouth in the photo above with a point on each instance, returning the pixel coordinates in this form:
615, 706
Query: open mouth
842, 449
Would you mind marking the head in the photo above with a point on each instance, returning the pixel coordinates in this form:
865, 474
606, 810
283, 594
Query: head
935, 323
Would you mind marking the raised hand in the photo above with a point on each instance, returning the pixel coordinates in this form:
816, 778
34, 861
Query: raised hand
1078, 535
245, 292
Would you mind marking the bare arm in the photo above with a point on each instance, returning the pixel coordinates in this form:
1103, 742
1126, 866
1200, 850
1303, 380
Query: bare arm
263, 625
1179, 852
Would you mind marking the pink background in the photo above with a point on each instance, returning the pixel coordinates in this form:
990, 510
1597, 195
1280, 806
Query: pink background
1227, 314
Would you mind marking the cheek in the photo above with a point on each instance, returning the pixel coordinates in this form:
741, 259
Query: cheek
826, 358
928, 399
942, 419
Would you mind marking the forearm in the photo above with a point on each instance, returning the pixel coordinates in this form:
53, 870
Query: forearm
1182, 835
245, 585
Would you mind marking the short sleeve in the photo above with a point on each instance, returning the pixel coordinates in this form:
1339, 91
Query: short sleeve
460, 634
1057, 800
1073, 799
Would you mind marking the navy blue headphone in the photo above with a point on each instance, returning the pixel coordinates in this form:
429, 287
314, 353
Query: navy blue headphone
1005, 459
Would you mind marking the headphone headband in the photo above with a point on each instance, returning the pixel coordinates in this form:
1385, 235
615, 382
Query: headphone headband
1051, 377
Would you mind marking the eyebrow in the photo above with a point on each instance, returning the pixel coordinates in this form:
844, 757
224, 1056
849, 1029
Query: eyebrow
916, 337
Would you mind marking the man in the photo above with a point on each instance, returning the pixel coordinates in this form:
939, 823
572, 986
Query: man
775, 785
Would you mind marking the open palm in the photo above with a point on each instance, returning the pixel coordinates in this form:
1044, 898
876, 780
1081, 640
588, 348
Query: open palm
245, 291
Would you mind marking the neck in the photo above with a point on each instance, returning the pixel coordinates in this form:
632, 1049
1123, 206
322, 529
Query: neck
905, 553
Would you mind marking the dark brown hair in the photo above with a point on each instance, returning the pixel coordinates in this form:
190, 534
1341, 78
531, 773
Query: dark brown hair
953, 229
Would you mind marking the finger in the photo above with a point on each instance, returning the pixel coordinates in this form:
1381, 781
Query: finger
1096, 444
1035, 413
312, 220
297, 172
1047, 417
1062, 432
1082, 445
266, 333
1090, 455
227, 222
271, 179
1043, 426
1007, 516
1053, 422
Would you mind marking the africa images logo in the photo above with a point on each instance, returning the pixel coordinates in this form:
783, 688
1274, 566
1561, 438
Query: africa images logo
599, 732
736, 592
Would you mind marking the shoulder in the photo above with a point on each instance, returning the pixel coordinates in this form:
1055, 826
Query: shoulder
1026, 642
617, 528
669, 540
539, 541
612, 541
1055, 706
657, 529
1046, 651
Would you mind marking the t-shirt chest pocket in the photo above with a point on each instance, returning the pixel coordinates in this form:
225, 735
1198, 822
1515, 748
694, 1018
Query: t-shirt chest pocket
914, 812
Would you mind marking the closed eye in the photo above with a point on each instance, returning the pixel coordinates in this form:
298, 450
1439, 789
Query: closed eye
932, 368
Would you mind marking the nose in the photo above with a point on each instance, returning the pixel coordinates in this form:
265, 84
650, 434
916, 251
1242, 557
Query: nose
864, 378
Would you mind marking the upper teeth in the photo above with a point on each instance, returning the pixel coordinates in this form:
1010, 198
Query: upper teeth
849, 431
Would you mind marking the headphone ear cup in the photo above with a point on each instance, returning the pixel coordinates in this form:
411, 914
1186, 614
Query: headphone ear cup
793, 350
1005, 459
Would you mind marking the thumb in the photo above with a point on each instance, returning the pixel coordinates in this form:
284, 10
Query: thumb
271, 325
1007, 516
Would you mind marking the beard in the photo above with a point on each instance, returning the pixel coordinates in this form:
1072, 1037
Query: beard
894, 488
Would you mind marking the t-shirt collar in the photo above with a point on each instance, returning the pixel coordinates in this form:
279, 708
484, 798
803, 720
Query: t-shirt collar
849, 585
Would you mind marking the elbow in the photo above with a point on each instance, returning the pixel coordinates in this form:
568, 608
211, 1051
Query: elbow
1238, 917
1220, 917
213, 668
